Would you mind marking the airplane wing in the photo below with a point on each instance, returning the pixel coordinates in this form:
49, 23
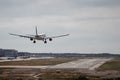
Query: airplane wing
57, 36
22, 35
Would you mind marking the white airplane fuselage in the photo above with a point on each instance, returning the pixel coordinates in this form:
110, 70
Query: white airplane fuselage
40, 37
35, 37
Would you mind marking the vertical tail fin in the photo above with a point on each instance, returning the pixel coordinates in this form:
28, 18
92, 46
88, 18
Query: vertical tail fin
36, 31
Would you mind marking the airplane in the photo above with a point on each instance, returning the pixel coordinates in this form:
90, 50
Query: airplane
37, 36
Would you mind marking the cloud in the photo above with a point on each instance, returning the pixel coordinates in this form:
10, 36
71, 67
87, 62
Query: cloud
28, 8
93, 25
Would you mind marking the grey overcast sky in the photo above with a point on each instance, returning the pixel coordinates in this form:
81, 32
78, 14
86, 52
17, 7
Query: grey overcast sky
93, 25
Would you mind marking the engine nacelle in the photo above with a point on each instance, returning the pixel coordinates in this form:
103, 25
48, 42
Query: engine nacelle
31, 39
50, 39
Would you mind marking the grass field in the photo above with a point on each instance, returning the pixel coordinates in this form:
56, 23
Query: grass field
38, 74
39, 62
32, 74
111, 65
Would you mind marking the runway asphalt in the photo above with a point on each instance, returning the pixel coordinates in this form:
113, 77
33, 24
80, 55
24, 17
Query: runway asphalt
90, 64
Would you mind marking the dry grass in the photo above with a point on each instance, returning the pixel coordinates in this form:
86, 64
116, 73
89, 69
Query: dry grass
61, 76
39, 62
49, 74
111, 65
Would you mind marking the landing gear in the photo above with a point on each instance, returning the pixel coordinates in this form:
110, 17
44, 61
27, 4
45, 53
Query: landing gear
34, 41
45, 41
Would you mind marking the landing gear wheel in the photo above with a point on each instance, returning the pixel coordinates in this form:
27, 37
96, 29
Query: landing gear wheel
34, 41
45, 41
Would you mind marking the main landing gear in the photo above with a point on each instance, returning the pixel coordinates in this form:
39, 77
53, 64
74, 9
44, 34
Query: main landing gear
34, 41
45, 41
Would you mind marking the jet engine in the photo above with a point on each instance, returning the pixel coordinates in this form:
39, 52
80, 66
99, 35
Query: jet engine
31, 39
50, 39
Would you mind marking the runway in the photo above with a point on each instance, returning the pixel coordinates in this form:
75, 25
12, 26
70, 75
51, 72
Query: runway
89, 64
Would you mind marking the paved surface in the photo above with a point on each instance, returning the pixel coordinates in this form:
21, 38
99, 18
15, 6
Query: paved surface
89, 64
